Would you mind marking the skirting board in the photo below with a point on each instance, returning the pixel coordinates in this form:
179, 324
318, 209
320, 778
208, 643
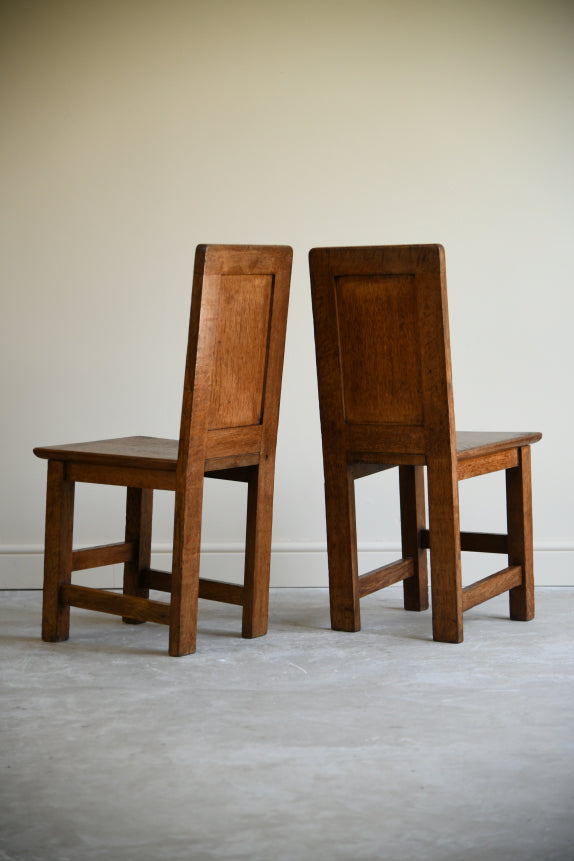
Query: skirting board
292, 565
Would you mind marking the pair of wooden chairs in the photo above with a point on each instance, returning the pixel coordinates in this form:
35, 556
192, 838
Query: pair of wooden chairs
385, 393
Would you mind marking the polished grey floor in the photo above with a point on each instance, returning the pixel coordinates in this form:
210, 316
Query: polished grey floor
304, 744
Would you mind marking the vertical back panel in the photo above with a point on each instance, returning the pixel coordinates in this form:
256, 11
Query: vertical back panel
382, 347
379, 350
241, 350
235, 352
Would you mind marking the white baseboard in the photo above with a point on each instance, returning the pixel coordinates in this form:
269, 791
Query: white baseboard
292, 565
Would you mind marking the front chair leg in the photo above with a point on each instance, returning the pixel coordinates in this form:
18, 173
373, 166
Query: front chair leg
412, 496
519, 520
139, 509
258, 550
57, 553
185, 568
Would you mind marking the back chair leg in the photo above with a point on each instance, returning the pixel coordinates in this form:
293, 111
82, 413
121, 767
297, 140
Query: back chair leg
519, 520
185, 570
446, 576
139, 508
258, 551
58, 552
413, 519
342, 547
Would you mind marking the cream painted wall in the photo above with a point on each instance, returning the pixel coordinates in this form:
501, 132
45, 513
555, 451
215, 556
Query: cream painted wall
131, 131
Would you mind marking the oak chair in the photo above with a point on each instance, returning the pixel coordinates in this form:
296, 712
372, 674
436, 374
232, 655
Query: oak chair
385, 394
228, 431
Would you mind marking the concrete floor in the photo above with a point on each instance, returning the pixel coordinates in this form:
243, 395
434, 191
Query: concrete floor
304, 744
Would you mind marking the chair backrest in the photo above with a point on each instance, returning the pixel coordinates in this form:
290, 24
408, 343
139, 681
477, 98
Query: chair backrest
383, 354
235, 351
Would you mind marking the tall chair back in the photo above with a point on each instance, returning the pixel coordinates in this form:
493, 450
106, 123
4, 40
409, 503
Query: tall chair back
381, 330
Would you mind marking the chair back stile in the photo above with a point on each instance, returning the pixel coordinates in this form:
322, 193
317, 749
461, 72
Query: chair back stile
231, 395
191, 460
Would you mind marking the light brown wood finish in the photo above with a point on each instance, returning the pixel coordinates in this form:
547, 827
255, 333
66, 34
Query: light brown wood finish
258, 550
57, 553
385, 394
475, 542
228, 431
520, 551
105, 554
344, 593
103, 601
139, 509
489, 587
385, 576
238, 376
211, 590
412, 501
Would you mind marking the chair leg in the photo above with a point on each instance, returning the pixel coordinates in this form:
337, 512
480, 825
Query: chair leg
185, 569
258, 551
57, 553
342, 548
446, 577
519, 519
139, 507
413, 519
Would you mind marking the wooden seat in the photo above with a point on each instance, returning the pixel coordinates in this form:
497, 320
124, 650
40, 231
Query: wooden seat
228, 431
385, 394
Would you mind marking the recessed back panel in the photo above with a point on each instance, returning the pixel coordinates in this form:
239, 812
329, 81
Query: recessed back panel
241, 350
377, 322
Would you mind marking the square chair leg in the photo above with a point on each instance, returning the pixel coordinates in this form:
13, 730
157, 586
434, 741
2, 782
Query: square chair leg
58, 552
446, 574
412, 495
342, 547
139, 508
258, 551
519, 519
